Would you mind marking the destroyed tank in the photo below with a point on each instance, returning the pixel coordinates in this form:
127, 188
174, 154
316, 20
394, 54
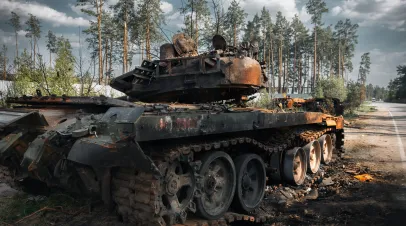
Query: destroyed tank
181, 148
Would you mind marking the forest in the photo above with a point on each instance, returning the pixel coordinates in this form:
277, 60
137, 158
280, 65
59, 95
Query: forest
300, 60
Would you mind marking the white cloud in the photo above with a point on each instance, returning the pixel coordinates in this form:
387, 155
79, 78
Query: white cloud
383, 65
166, 7
385, 13
42, 12
336, 10
6, 37
287, 7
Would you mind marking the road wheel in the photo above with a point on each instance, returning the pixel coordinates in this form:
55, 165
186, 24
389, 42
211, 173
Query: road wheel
294, 166
251, 180
217, 185
313, 153
326, 149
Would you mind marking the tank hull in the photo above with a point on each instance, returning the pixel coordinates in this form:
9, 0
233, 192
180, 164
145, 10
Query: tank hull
123, 151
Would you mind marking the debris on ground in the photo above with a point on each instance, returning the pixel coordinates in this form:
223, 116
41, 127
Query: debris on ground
7, 191
326, 182
364, 177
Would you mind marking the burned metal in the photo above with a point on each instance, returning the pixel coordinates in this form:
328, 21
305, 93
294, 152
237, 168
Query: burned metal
183, 76
156, 163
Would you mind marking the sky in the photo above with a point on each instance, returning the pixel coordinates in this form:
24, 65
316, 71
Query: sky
382, 30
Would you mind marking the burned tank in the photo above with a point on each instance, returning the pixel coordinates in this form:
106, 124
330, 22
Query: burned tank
179, 155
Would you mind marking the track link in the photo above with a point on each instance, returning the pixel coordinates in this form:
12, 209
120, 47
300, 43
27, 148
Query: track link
138, 195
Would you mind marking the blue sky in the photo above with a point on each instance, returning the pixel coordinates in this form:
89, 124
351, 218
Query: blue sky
382, 23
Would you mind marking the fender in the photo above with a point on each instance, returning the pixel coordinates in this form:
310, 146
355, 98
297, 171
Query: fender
113, 142
102, 152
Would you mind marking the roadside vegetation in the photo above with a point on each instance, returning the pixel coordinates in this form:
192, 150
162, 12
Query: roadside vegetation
24, 208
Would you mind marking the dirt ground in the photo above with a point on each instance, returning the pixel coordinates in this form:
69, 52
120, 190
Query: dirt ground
369, 150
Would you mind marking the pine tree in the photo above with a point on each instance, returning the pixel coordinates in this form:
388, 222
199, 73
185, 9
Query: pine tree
299, 33
16, 24
346, 36
33, 32
51, 45
153, 18
316, 8
125, 18
364, 68
63, 82
280, 31
197, 12
234, 21
97, 12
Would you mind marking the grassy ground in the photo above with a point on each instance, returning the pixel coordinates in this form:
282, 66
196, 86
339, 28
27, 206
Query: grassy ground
365, 107
24, 208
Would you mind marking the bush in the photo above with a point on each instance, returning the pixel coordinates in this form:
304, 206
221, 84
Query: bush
332, 87
353, 95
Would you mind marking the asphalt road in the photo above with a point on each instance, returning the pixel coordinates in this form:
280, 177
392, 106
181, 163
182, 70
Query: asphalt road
391, 121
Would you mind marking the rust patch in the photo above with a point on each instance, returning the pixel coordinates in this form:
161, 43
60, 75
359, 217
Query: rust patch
245, 71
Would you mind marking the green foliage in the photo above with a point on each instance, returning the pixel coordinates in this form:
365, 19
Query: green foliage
234, 21
332, 87
57, 81
316, 8
264, 101
353, 95
397, 87
364, 67
51, 42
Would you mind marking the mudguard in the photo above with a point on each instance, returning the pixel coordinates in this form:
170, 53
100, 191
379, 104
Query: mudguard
102, 152
113, 142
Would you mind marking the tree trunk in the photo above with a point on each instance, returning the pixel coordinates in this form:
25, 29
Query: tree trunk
299, 84
339, 60
197, 31
125, 42
285, 75
4, 66
191, 21
235, 35
31, 42
309, 74
142, 51
267, 71
106, 49
272, 66
147, 40
111, 56
15, 59
315, 55
294, 60
99, 16
35, 43
280, 68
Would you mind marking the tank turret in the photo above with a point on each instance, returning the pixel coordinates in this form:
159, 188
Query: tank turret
182, 75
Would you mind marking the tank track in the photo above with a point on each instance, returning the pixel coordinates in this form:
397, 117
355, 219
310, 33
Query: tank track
138, 195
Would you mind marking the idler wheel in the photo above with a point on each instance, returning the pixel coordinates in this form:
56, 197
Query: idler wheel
313, 153
294, 166
326, 148
251, 180
217, 185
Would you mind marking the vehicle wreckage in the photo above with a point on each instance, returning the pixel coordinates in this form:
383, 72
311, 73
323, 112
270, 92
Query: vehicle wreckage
174, 150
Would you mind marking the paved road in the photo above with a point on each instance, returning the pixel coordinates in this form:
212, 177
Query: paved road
391, 121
